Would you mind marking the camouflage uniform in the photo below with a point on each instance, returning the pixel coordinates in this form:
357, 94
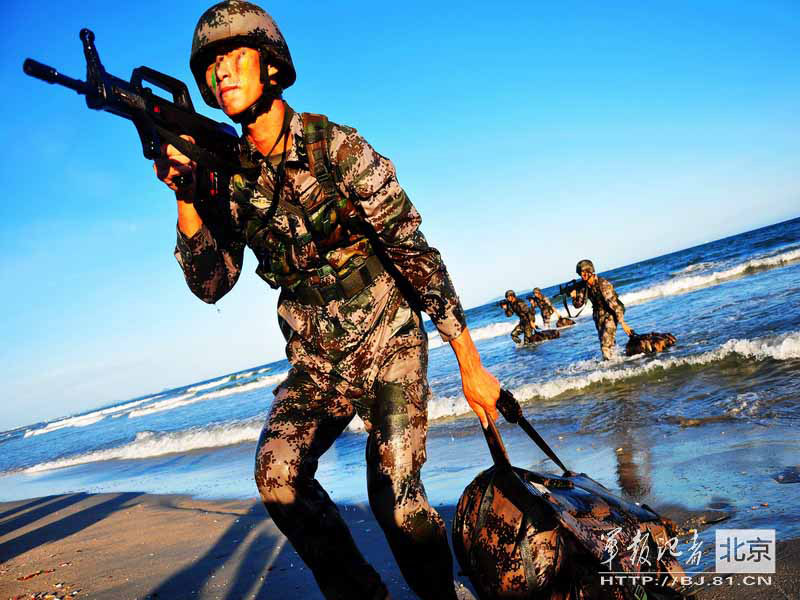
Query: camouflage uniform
545, 307
607, 311
526, 323
365, 354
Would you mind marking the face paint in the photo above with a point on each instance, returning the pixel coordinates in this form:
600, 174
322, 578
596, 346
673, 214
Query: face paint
214, 81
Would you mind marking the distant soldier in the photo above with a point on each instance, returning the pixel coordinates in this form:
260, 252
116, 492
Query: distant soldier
608, 311
514, 306
542, 302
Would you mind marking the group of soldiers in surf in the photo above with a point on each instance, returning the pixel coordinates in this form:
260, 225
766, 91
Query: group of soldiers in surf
608, 312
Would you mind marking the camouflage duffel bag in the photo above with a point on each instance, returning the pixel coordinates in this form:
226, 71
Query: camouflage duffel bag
524, 535
649, 343
564, 322
544, 334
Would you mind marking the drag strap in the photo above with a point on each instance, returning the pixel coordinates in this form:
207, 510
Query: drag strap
512, 411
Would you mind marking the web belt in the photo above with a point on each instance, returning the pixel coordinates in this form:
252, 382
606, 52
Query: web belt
344, 289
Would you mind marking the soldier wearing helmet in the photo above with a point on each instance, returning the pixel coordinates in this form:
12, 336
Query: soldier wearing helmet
608, 311
331, 228
542, 302
514, 306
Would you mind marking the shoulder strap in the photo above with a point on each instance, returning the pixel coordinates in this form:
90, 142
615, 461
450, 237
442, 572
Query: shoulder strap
315, 134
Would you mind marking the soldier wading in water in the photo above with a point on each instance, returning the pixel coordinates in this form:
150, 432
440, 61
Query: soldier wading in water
607, 309
514, 306
332, 228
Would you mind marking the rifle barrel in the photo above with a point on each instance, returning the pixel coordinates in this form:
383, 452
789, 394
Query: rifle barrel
50, 75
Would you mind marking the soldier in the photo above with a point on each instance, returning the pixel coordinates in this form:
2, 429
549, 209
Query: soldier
513, 305
331, 228
545, 307
607, 309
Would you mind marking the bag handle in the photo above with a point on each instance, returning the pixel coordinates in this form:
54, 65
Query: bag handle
512, 412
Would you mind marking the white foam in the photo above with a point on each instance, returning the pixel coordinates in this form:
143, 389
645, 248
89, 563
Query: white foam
186, 399
84, 420
681, 285
783, 347
481, 333
149, 444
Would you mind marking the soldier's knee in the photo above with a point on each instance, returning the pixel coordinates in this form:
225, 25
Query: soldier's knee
276, 481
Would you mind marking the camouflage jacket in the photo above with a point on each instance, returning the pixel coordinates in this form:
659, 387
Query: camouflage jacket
603, 297
545, 306
522, 310
311, 243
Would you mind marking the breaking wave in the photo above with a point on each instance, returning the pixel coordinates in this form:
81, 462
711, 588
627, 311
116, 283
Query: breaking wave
87, 419
683, 284
149, 444
481, 333
190, 398
782, 347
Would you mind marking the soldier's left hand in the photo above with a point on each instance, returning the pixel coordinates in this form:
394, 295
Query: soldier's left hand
627, 329
481, 389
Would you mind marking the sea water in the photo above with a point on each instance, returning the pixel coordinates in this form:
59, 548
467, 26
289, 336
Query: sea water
711, 423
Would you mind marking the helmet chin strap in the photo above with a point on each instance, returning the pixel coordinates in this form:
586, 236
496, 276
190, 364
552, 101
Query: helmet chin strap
270, 93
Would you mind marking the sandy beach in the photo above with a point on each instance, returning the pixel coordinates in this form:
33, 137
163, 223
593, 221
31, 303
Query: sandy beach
133, 545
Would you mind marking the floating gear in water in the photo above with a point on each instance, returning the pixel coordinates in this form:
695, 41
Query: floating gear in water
520, 534
564, 322
649, 343
543, 334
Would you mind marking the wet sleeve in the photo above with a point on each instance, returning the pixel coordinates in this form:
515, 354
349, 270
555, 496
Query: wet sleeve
372, 183
210, 266
580, 297
612, 301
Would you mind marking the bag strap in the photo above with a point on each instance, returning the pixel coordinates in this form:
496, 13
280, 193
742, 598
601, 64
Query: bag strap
511, 410
315, 133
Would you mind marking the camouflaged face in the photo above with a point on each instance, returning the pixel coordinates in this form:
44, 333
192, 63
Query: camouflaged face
236, 23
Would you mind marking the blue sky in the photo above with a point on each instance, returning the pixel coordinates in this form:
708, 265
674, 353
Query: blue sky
545, 132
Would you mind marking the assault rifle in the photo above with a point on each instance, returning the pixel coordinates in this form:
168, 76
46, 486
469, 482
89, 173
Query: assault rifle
157, 120
565, 290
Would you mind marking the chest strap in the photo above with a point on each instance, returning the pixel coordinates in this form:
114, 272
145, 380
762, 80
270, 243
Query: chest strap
347, 287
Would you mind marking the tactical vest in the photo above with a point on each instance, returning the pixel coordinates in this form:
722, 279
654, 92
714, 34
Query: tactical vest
318, 251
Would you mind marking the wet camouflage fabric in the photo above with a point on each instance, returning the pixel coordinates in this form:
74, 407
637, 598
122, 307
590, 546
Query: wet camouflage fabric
545, 307
526, 323
554, 548
607, 311
311, 242
304, 422
364, 355
649, 343
564, 322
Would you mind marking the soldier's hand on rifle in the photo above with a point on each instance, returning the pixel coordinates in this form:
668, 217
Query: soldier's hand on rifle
176, 170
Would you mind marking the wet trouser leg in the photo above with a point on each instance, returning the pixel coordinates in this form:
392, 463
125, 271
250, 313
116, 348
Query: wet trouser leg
395, 455
302, 425
606, 332
515, 333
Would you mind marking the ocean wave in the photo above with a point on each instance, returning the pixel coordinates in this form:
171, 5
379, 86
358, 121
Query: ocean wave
481, 333
701, 266
191, 398
87, 419
681, 285
781, 347
211, 384
149, 444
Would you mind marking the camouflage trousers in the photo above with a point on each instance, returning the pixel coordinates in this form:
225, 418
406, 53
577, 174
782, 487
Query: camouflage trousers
303, 423
522, 327
607, 333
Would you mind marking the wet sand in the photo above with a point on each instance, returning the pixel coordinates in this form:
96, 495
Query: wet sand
132, 545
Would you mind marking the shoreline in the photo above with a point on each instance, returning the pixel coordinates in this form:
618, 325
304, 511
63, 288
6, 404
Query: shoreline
136, 545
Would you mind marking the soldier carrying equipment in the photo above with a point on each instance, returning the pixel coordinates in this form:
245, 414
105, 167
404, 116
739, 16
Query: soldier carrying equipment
521, 534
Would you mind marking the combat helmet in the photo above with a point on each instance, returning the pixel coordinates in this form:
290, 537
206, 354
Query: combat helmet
510, 293
234, 23
584, 265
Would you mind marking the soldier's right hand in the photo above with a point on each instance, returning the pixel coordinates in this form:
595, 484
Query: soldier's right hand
177, 170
